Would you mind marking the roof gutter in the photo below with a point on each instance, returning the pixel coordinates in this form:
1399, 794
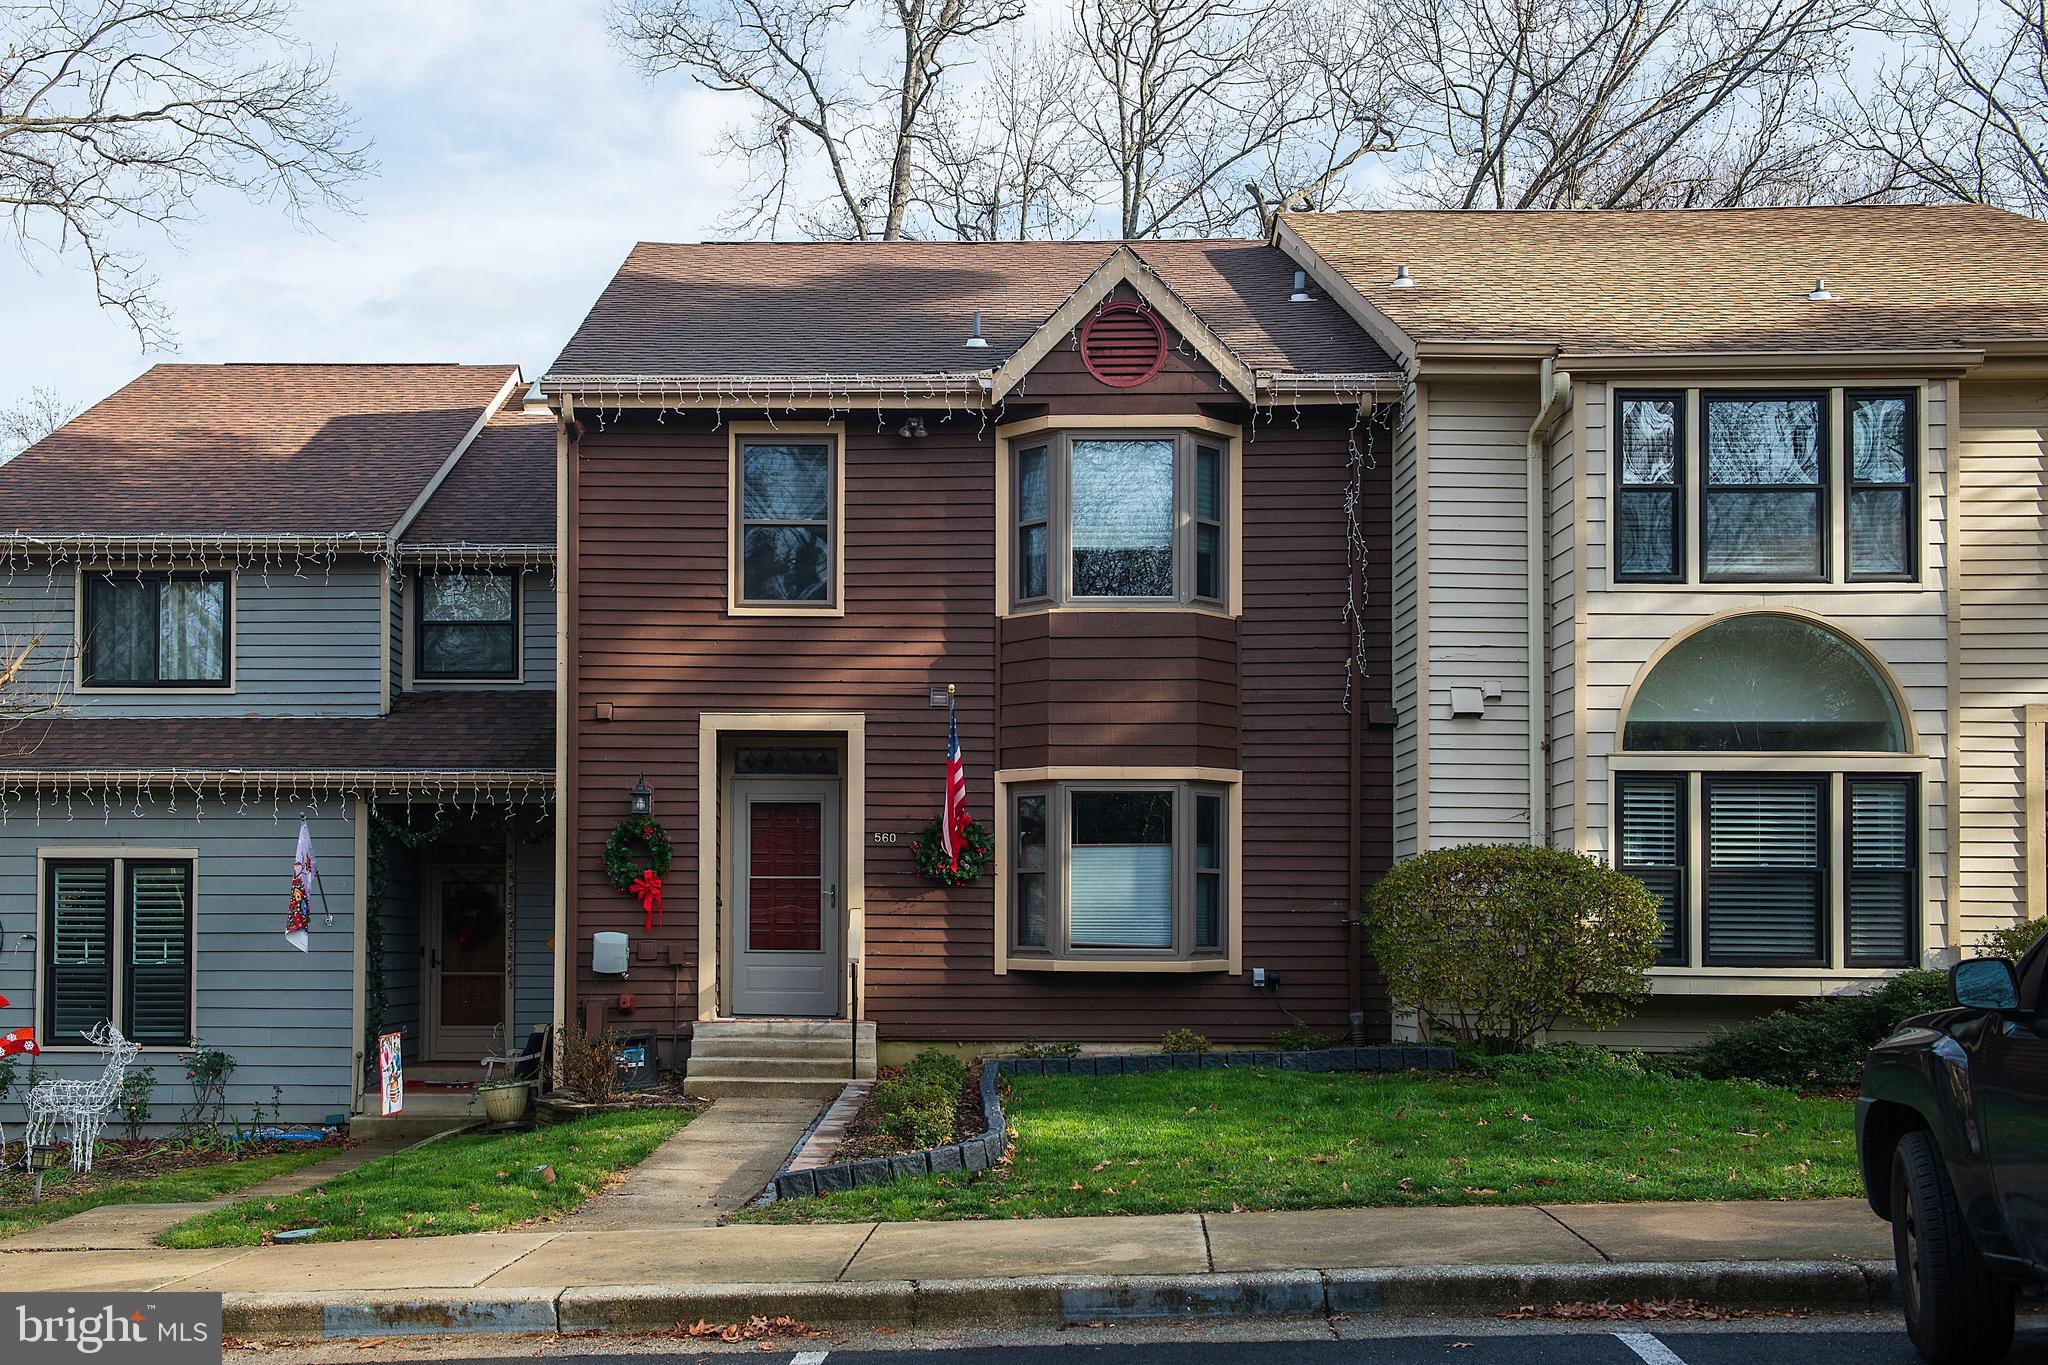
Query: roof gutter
703, 389
1554, 399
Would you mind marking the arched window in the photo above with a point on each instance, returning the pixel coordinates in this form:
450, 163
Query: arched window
1811, 860
1765, 684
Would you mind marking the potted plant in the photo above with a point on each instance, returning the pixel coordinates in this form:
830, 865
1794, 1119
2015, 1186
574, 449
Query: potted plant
505, 1099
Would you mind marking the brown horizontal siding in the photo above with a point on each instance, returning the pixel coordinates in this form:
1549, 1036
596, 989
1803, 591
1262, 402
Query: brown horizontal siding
656, 644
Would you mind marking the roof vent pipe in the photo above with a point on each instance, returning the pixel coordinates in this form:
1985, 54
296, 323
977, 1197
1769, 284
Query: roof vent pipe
1301, 294
974, 337
1820, 292
1402, 280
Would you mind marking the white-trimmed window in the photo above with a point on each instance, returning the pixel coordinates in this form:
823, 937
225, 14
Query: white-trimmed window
1121, 871
1766, 486
1119, 517
1811, 860
117, 946
156, 629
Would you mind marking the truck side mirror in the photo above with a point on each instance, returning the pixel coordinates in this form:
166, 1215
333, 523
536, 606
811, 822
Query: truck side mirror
1985, 983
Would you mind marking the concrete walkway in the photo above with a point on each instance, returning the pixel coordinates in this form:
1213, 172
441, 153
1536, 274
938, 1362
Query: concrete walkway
570, 1256
719, 1161
135, 1227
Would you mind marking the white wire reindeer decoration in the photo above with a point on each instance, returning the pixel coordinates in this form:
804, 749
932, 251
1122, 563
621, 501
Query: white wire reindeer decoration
82, 1106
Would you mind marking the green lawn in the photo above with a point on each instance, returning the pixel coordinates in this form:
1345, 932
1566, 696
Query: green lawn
476, 1182
106, 1186
1183, 1141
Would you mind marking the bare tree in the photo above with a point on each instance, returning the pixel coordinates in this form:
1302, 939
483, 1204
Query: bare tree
31, 417
1008, 162
786, 56
116, 114
1961, 112
1611, 103
30, 688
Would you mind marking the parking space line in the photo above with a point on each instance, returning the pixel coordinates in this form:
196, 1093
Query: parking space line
818, 1358
1651, 1350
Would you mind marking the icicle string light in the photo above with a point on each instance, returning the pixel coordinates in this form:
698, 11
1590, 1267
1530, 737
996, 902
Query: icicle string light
289, 794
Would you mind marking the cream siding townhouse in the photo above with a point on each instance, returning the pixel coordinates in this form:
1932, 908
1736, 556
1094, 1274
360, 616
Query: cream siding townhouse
1776, 477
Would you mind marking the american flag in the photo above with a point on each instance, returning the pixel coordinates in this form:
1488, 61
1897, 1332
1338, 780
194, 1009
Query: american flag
953, 829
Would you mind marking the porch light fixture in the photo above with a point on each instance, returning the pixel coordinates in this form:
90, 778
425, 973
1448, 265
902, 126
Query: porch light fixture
912, 428
975, 340
1820, 292
1402, 279
640, 801
1301, 294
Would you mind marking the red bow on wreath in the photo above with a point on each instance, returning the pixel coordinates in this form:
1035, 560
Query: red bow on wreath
647, 886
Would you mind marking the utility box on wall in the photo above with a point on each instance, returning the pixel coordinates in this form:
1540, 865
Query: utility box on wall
608, 954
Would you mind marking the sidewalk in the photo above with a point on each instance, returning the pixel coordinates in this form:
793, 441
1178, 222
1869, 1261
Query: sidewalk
1821, 1253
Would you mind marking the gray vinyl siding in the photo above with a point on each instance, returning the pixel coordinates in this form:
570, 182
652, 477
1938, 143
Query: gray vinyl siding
305, 640
1407, 617
287, 1018
2003, 581
533, 980
536, 638
395, 642
1478, 767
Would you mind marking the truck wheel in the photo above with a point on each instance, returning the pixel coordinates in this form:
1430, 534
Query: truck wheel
1957, 1311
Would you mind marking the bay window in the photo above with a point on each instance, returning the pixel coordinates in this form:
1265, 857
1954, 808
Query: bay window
1130, 871
117, 944
1805, 486
1118, 517
155, 630
1809, 859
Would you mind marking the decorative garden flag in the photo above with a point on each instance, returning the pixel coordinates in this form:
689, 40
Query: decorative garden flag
299, 913
953, 828
391, 1072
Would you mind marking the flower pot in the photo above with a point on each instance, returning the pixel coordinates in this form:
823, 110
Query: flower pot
505, 1103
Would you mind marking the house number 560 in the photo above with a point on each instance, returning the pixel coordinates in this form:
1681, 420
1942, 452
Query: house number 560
885, 836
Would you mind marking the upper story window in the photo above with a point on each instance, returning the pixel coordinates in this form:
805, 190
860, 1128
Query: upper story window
117, 943
1119, 517
468, 625
155, 630
1771, 487
786, 523
1118, 871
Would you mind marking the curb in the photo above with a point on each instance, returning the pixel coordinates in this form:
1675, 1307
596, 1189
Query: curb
1052, 1300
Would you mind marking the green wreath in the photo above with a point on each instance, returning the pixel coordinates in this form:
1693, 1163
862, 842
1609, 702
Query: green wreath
619, 863
977, 854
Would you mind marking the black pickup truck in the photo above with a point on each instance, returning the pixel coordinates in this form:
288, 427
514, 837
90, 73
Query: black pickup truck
1952, 1134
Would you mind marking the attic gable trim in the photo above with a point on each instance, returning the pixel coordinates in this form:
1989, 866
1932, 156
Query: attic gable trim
1124, 266
419, 504
1338, 286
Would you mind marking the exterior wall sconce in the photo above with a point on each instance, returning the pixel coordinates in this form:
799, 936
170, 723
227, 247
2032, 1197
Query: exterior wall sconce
640, 801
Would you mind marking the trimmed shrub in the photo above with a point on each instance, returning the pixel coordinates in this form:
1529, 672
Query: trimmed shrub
2013, 940
1183, 1040
916, 1107
1490, 944
1817, 1044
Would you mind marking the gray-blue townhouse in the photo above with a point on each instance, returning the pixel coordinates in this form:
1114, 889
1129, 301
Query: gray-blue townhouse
237, 598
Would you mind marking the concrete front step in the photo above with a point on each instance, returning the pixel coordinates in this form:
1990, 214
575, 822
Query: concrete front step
760, 1088
781, 1028
769, 1068
834, 1050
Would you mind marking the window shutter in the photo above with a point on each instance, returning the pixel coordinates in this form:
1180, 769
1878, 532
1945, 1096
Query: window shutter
1653, 840
1764, 878
159, 953
80, 964
1881, 866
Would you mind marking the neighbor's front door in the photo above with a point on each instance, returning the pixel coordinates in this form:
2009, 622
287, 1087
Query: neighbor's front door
464, 981
785, 896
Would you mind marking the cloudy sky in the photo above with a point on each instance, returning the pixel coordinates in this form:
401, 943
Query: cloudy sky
519, 158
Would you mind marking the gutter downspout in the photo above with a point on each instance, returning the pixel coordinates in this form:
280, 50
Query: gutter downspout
1554, 399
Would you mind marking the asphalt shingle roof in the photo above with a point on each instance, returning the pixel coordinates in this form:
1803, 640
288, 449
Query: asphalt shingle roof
502, 490
1904, 276
885, 308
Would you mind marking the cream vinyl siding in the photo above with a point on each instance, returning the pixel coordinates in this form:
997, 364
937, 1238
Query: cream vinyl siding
2003, 443
1904, 625
1477, 604
1407, 625
1566, 498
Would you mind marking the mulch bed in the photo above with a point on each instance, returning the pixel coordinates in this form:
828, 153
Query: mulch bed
865, 1138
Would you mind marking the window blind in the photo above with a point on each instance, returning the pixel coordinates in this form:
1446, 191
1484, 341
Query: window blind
1881, 858
80, 974
1120, 896
1653, 840
159, 953
1764, 871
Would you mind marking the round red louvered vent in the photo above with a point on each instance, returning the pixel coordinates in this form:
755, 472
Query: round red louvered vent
1123, 345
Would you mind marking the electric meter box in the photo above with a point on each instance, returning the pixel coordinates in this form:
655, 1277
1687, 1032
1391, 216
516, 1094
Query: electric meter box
608, 954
